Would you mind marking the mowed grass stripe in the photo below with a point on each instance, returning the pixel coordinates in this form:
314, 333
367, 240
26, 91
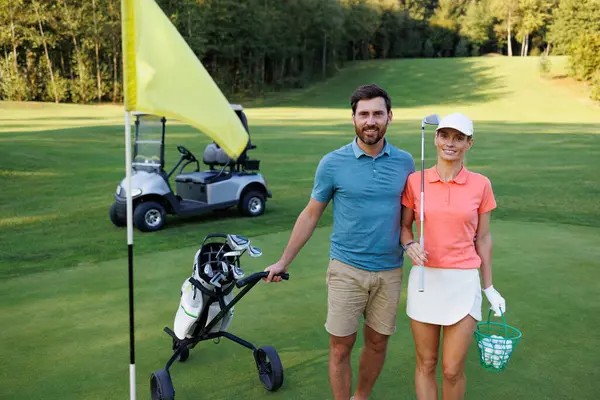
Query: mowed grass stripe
68, 330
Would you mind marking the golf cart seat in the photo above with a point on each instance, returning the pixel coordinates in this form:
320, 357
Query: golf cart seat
203, 177
214, 155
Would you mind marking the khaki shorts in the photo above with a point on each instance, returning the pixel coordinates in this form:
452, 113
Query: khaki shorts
352, 292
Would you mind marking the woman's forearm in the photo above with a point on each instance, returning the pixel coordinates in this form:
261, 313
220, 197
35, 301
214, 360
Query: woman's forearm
483, 246
406, 233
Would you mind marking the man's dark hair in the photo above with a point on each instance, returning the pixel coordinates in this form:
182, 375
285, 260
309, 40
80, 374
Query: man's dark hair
368, 92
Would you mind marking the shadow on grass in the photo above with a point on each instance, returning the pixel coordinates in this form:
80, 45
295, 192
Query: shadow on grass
410, 82
539, 172
61, 118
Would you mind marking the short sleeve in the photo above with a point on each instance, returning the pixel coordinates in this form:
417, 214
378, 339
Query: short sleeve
408, 199
323, 185
488, 202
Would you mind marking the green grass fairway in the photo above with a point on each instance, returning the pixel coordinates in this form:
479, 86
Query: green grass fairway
63, 266
66, 331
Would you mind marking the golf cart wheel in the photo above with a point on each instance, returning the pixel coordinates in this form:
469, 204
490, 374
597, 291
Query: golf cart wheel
115, 218
149, 216
253, 204
270, 369
185, 353
161, 386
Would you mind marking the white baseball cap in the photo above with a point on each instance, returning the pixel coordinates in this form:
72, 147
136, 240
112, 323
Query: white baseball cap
458, 121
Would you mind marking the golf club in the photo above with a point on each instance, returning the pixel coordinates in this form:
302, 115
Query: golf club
235, 243
238, 273
208, 270
433, 119
254, 251
235, 253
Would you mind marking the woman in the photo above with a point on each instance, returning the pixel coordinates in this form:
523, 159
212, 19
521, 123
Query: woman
458, 244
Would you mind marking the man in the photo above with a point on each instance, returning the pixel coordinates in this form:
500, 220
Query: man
365, 180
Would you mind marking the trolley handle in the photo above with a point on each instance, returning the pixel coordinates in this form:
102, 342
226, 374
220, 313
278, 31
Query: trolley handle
255, 277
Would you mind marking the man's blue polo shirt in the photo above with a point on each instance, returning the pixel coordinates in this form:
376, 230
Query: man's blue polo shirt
366, 194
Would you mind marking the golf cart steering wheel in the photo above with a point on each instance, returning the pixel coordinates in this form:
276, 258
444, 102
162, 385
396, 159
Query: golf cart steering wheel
185, 153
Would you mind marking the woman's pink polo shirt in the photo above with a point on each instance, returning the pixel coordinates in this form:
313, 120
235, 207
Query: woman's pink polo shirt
451, 215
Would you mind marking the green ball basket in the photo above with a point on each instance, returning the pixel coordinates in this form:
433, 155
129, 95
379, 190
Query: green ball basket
496, 343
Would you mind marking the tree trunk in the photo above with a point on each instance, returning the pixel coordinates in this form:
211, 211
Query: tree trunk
526, 46
334, 57
79, 63
62, 62
324, 56
548, 49
14, 46
77, 54
509, 40
6, 61
97, 45
71, 77
46, 51
522, 46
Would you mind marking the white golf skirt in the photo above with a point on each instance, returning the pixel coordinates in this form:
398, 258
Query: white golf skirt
449, 295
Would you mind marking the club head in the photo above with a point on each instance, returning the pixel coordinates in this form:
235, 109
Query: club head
235, 253
225, 268
208, 270
433, 119
215, 280
237, 242
238, 273
254, 251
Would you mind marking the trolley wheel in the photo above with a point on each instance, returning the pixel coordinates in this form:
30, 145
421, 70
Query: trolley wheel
270, 369
161, 386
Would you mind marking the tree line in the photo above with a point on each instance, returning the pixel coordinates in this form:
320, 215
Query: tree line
70, 50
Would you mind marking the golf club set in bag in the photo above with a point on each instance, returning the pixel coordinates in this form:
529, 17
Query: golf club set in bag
206, 309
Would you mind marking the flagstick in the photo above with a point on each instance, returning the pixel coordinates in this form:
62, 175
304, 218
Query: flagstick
130, 253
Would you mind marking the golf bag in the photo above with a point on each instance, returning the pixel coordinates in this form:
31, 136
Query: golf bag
206, 310
211, 285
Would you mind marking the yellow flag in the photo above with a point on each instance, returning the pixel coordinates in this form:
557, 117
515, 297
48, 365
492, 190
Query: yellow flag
162, 76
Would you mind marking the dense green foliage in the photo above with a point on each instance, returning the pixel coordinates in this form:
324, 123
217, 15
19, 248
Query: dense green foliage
69, 50
576, 32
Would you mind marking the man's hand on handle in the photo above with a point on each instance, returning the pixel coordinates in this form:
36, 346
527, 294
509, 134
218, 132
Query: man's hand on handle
275, 269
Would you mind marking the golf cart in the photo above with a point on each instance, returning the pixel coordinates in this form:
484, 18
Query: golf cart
223, 184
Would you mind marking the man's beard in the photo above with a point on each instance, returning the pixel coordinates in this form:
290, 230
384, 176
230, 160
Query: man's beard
371, 139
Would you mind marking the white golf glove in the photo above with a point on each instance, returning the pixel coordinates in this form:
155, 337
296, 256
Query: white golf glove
497, 302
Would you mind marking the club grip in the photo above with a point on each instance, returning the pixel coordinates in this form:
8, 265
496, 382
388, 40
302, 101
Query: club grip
255, 277
421, 278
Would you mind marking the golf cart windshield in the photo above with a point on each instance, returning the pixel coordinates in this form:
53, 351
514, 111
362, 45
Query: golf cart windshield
148, 150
